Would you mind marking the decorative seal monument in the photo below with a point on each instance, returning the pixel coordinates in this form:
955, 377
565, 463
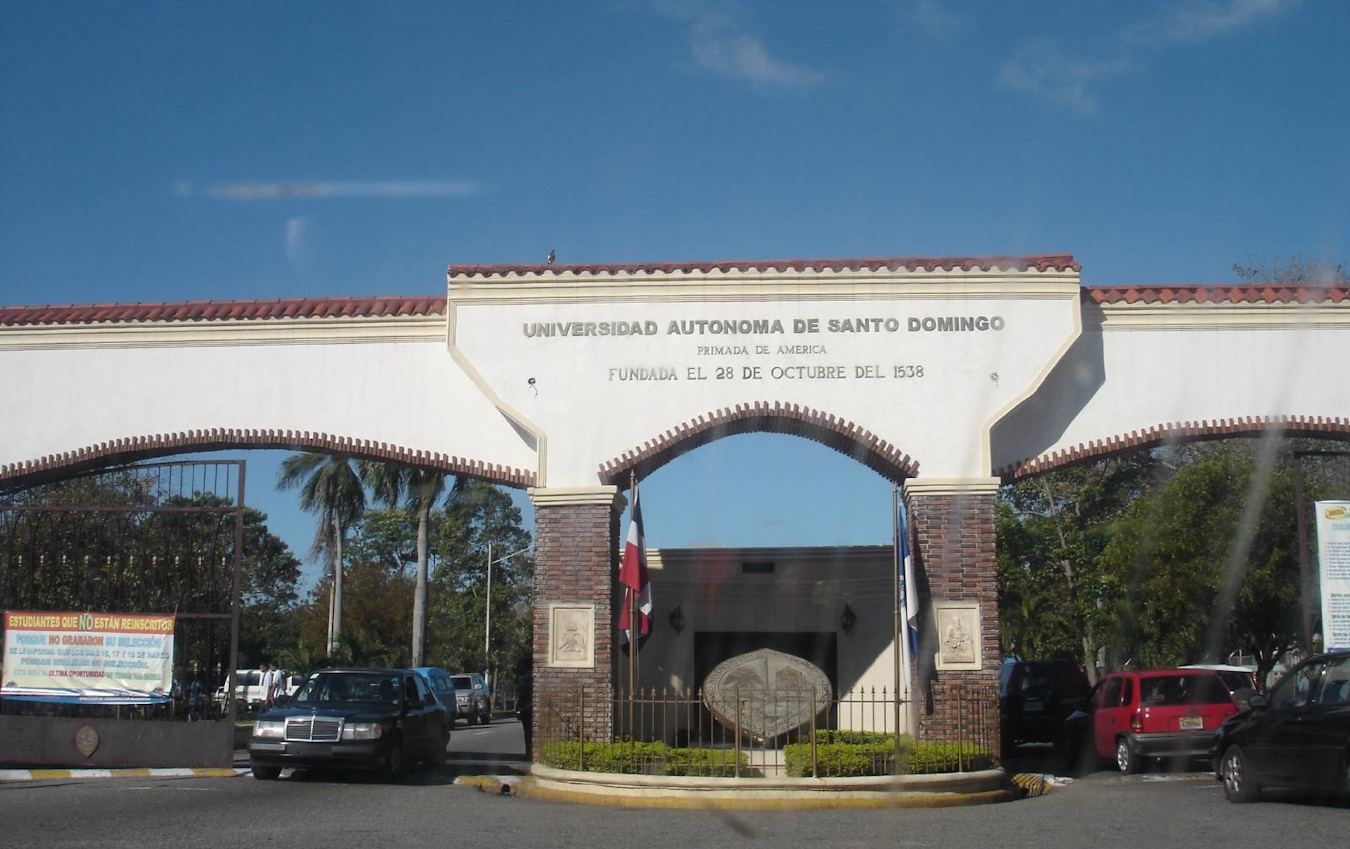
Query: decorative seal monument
766, 693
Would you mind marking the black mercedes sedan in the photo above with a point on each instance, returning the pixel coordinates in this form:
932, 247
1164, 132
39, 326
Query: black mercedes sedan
1298, 736
371, 719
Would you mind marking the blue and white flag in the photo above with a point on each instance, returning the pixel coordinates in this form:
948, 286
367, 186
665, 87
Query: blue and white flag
909, 590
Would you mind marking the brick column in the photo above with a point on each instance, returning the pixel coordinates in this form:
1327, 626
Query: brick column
952, 523
576, 535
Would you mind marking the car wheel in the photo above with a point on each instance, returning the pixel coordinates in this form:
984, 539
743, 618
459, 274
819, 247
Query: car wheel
266, 773
472, 719
1239, 780
393, 761
438, 756
1127, 759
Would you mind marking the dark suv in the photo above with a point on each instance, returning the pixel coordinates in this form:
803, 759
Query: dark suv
1035, 697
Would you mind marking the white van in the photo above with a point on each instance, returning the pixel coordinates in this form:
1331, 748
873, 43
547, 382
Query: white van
248, 689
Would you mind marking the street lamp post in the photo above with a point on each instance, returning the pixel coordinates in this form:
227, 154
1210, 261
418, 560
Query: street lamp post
487, 618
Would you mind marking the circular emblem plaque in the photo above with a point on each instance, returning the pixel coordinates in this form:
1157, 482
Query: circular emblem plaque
769, 692
86, 741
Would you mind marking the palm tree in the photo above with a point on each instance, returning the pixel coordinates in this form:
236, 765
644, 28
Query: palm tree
330, 487
424, 487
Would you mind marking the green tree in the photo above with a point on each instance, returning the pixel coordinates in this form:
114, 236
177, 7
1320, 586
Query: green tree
330, 487
1209, 563
477, 516
423, 488
1051, 531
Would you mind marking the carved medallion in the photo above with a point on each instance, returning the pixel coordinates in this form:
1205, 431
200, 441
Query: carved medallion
770, 692
86, 741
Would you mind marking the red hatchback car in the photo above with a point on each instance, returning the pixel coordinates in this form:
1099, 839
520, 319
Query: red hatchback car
1154, 713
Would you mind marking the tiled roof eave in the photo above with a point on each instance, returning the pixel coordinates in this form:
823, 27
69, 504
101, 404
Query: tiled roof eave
1269, 293
221, 311
1044, 262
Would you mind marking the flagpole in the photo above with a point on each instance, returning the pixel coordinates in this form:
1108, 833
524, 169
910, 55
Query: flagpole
903, 633
634, 629
896, 578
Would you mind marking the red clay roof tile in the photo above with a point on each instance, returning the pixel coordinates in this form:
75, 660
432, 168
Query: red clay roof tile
222, 310
1045, 262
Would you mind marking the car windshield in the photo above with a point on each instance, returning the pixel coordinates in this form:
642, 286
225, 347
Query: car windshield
350, 687
1176, 690
462, 682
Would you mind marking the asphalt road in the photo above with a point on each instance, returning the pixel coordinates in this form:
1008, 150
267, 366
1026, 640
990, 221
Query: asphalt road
428, 809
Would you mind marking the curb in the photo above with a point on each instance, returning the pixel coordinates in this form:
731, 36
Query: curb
936, 791
7, 775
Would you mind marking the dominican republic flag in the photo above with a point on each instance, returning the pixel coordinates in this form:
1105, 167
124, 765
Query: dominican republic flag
633, 576
909, 590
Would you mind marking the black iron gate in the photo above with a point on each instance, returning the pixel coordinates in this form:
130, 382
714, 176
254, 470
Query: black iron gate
158, 538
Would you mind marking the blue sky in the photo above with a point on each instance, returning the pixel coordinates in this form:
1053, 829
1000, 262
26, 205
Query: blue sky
171, 151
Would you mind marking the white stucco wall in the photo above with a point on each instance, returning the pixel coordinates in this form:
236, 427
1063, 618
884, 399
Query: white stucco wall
404, 392
1139, 368
931, 393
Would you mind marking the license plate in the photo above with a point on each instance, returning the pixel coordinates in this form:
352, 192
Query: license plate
1191, 723
311, 750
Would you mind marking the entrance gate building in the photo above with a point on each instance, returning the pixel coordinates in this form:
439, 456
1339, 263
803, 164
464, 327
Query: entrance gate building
946, 376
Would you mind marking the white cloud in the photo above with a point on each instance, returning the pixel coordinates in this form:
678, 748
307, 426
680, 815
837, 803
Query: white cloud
295, 238
1041, 70
382, 189
936, 19
719, 45
278, 190
1202, 20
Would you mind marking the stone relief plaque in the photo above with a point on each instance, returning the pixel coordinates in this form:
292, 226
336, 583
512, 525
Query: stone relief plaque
771, 693
571, 635
958, 633
86, 741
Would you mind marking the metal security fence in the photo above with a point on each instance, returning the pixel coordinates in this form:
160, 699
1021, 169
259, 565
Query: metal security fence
767, 733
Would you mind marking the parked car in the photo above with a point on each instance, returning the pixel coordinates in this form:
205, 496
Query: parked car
472, 698
1240, 680
248, 690
1138, 715
1298, 736
1036, 696
374, 719
443, 686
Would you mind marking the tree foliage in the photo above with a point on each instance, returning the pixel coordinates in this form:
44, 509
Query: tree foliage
1165, 556
1052, 530
381, 559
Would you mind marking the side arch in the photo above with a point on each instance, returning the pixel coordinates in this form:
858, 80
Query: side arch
1315, 427
131, 449
842, 435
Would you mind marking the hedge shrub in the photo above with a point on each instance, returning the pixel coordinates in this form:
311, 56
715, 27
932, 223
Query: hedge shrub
628, 758
847, 753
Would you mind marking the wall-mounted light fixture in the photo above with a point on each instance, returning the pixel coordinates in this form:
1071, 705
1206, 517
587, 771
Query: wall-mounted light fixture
848, 618
677, 619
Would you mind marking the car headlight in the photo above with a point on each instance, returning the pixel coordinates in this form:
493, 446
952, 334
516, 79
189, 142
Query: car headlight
362, 731
272, 728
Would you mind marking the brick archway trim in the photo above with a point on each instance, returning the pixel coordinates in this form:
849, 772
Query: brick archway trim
131, 449
762, 417
1308, 426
